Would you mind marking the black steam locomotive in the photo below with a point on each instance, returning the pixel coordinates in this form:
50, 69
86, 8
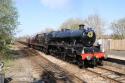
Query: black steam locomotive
71, 45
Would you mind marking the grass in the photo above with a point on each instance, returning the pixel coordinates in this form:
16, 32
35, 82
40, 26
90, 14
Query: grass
7, 64
7, 58
8, 61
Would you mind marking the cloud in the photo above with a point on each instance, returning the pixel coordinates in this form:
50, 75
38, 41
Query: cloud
56, 3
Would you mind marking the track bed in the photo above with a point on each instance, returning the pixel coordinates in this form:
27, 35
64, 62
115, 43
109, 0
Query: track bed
52, 72
89, 75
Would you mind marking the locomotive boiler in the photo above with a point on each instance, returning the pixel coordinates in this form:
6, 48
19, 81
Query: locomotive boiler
70, 45
82, 36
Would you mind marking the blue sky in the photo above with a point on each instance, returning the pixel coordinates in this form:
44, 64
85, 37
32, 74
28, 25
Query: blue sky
37, 15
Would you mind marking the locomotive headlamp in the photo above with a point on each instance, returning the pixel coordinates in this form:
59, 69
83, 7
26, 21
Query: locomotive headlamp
102, 49
88, 57
83, 51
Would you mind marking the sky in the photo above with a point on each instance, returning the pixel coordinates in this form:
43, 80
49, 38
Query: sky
37, 15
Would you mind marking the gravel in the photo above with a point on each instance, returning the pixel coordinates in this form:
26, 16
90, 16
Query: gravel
22, 69
81, 73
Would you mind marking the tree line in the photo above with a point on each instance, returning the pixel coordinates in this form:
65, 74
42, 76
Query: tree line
8, 23
98, 24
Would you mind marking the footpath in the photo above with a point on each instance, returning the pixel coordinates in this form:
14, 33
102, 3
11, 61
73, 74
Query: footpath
116, 54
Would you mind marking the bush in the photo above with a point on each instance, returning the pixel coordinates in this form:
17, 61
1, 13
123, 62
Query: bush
8, 24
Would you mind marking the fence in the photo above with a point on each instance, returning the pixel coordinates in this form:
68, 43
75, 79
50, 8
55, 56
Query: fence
110, 44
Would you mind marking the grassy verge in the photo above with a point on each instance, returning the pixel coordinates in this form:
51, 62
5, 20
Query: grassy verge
7, 58
8, 62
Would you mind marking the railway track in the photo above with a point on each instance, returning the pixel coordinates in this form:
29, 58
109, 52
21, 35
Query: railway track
53, 71
107, 74
113, 76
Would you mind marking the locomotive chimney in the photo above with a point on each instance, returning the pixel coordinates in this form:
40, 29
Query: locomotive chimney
81, 26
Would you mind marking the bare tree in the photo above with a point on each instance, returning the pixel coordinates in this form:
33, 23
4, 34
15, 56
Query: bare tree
72, 23
96, 22
118, 29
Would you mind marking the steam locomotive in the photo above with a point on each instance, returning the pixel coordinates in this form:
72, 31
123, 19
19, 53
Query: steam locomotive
76, 46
